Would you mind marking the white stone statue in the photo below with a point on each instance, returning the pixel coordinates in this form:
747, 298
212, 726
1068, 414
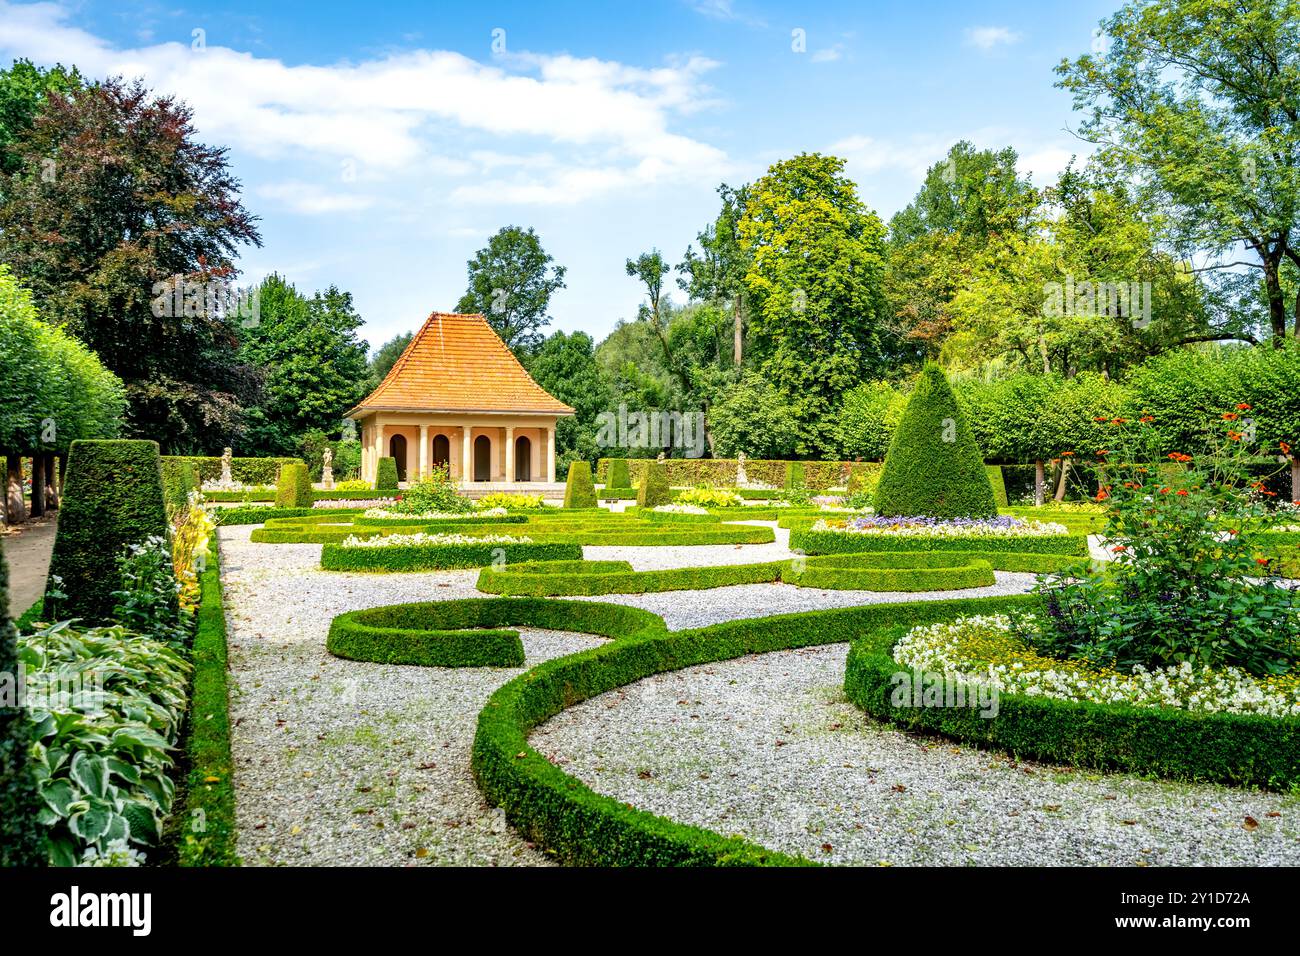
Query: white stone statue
742, 479
327, 469
226, 478
661, 458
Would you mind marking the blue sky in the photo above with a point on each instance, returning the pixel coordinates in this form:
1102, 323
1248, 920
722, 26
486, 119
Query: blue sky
382, 144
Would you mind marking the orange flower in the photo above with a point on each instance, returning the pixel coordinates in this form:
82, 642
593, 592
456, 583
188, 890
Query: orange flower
1286, 449
1103, 495
1100, 418
1182, 492
1231, 417
1261, 561
1164, 491
1067, 454
1234, 436
1119, 421
1179, 457
1119, 547
1243, 407
1102, 452
1147, 419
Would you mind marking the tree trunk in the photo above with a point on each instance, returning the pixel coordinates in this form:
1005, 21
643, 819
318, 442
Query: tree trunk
740, 334
15, 507
1295, 479
1040, 479
1276, 303
51, 481
1060, 485
38, 485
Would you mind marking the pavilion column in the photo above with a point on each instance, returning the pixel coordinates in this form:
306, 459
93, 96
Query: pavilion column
466, 456
550, 455
510, 454
424, 451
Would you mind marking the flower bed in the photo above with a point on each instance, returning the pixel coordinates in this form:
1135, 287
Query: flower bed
436, 555
988, 650
1003, 526
823, 537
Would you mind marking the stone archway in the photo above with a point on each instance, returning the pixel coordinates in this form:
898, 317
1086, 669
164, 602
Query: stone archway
397, 451
482, 458
523, 459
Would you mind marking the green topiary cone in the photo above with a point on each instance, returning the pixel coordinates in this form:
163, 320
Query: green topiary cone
934, 467
579, 491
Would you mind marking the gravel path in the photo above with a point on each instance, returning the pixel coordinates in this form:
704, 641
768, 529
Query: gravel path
767, 746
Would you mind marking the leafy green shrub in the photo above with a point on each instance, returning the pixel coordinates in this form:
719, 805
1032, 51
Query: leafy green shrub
836, 542
934, 467
863, 478
179, 479
654, 489
579, 491
102, 770
22, 840
147, 602
113, 498
435, 493
386, 475
259, 472
512, 502
618, 474
710, 498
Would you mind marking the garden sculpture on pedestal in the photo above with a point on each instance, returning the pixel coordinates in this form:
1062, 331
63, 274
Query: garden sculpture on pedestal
327, 469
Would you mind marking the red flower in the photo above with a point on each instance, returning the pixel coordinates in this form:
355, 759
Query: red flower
1243, 407
1182, 492
1103, 495
1286, 449
1164, 491
1261, 561
1100, 418
1119, 547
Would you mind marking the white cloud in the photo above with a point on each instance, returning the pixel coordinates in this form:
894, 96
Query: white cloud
829, 54
986, 38
723, 10
409, 112
311, 200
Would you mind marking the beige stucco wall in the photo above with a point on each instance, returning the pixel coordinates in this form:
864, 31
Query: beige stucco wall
377, 430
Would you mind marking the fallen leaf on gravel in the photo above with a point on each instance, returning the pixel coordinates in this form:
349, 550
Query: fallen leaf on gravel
898, 788
1250, 823
1272, 813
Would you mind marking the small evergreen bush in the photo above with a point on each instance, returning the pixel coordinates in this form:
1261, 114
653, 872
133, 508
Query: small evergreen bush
579, 491
654, 489
386, 476
293, 488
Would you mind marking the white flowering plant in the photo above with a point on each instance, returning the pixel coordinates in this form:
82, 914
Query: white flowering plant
422, 538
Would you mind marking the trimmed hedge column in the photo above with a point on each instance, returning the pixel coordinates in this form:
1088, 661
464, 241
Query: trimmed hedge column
293, 488
934, 467
579, 492
386, 475
113, 499
654, 489
21, 837
618, 474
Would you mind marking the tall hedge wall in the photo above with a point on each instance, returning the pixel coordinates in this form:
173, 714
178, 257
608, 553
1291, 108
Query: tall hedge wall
579, 492
689, 472
112, 498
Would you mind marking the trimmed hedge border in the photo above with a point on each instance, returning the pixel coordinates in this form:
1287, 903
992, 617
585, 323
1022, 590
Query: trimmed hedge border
581, 827
260, 514
838, 542
1237, 749
872, 571
434, 634
209, 786
469, 518
440, 557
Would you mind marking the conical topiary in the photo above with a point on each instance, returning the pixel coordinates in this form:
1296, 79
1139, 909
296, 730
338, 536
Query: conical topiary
655, 489
934, 467
386, 475
22, 838
579, 491
618, 475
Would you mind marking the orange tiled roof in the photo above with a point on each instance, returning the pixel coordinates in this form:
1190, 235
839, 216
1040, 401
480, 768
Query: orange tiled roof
457, 363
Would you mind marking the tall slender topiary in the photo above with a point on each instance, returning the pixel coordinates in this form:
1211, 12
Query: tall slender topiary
386, 475
22, 840
934, 467
655, 489
113, 498
618, 475
579, 491
293, 487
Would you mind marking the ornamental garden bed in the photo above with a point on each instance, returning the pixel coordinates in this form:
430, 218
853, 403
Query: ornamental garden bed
438, 556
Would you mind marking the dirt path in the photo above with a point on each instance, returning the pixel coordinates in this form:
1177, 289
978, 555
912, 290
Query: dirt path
27, 549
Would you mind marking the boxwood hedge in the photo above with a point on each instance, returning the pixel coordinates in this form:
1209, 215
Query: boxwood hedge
436, 557
433, 634
838, 542
1244, 750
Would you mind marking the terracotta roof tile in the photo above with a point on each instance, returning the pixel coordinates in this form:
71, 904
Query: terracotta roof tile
458, 363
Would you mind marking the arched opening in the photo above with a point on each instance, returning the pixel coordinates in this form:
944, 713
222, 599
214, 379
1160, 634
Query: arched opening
397, 451
523, 459
441, 451
482, 458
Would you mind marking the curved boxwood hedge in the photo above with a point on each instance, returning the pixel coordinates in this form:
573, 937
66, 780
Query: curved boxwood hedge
440, 557
434, 634
838, 542
581, 827
537, 579
262, 514
1239, 749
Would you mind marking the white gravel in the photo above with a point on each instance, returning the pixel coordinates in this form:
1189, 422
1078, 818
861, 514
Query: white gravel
347, 763
767, 747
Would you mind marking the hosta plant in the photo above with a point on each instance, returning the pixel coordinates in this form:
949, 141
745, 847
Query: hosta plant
710, 498
106, 708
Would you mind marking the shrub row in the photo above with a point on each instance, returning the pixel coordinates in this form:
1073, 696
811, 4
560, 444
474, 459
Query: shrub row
581, 827
1239, 749
248, 471
268, 494
838, 542
468, 519
209, 792
435, 634
721, 472
538, 579
257, 514
441, 557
